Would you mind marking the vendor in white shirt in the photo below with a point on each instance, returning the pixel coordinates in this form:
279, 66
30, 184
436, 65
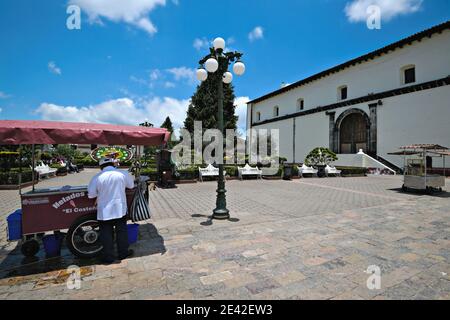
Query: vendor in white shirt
108, 187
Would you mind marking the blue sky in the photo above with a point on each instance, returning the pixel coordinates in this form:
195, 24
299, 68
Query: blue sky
135, 59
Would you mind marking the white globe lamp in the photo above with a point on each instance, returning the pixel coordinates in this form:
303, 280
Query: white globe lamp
239, 68
227, 77
219, 43
202, 74
211, 65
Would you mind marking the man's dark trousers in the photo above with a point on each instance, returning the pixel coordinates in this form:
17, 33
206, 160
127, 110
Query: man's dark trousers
106, 238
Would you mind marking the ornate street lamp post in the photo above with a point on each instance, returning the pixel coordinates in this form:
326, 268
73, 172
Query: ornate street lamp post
218, 61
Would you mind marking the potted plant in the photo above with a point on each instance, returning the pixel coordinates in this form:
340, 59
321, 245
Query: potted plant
319, 158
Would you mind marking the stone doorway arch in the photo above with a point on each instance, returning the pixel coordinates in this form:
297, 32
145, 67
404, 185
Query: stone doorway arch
353, 131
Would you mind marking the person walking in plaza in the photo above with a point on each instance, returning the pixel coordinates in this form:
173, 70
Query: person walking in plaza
109, 187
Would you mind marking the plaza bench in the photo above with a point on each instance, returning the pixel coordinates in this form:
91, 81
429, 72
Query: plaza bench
305, 169
44, 170
249, 171
332, 170
209, 171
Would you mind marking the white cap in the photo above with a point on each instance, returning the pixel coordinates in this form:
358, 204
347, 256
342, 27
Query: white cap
105, 160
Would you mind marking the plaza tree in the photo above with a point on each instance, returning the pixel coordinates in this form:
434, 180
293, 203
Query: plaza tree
167, 124
204, 105
320, 156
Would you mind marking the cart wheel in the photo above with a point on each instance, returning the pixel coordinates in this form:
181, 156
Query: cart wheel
83, 238
29, 248
404, 189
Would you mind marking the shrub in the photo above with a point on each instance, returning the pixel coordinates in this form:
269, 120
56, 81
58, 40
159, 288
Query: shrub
46, 156
62, 170
12, 178
148, 171
152, 173
320, 156
232, 171
188, 173
66, 151
86, 161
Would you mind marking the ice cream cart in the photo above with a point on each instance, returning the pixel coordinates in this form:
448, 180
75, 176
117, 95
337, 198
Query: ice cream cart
417, 163
68, 207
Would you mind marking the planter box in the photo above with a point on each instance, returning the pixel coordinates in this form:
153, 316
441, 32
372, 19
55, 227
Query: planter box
271, 177
185, 181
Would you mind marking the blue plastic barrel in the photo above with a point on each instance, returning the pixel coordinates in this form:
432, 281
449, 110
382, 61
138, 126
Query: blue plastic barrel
133, 231
52, 245
15, 225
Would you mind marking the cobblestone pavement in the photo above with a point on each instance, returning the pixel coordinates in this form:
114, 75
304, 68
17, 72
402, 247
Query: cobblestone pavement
302, 239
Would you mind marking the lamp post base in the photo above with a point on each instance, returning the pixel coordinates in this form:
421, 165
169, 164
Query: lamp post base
221, 214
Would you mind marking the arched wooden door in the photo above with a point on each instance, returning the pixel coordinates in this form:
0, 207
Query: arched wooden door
353, 133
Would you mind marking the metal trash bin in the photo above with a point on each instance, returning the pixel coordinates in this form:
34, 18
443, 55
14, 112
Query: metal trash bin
320, 170
287, 172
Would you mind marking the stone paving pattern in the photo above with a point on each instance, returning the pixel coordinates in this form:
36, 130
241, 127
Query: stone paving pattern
302, 239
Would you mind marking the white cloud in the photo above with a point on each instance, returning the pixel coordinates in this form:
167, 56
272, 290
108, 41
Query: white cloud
53, 68
134, 12
4, 95
1, 110
155, 75
161, 78
138, 80
241, 112
183, 73
132, 112
356, 10
256, 33
120, 111
201, 44
169, 84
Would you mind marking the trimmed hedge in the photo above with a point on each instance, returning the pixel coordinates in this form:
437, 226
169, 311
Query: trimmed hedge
86, 161
190, 173
12, 178
152, 173
232, 171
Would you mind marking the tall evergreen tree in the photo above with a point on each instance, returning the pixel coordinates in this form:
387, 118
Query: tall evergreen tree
204, 106
168, 124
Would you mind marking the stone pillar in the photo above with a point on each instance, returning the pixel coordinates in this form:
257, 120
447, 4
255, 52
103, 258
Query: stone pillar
332, 131
373, 128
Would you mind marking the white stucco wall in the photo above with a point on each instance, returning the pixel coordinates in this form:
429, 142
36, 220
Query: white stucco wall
310, 132
285, 135
419, 117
